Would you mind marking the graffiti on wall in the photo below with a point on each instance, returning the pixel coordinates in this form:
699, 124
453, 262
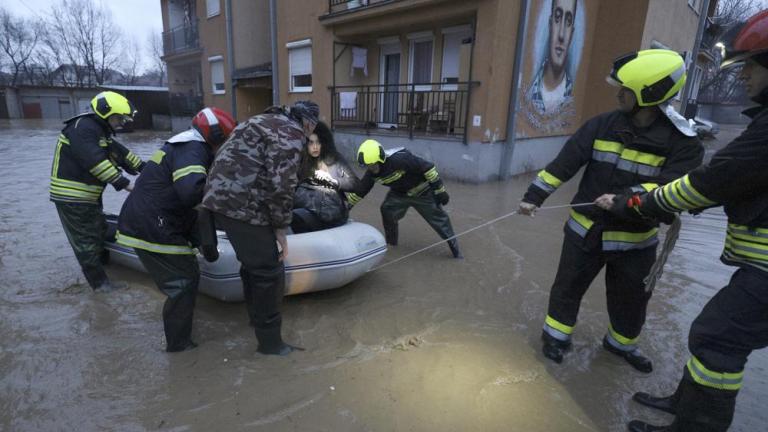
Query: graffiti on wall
555, 43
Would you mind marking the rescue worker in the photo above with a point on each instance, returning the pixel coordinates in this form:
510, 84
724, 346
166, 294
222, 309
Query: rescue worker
641, 145
413, 182
735, 321
250, 192
158, 218
85, 160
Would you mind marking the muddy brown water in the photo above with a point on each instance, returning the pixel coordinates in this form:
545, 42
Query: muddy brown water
427, 344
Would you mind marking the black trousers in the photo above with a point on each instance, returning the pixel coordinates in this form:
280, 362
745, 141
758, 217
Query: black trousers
262, 272
732, 324
177, 276
625, 290
86, 228
396, 205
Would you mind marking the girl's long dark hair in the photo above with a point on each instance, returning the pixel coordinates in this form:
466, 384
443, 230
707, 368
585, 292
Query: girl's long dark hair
328, 153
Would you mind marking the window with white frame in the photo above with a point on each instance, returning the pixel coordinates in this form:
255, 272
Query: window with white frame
300, 65
453, 38
213, 7
420, 64
217, 74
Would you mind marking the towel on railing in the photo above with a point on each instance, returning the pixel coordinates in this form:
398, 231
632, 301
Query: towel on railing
359, 60
348, 100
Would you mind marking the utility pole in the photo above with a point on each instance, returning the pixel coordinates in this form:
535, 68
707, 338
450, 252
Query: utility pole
694, 55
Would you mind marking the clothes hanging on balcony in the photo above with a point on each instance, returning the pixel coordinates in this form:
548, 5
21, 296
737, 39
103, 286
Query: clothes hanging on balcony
348, 103
359, 60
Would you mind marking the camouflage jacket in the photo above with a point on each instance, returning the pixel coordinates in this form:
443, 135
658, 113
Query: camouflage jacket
254, 174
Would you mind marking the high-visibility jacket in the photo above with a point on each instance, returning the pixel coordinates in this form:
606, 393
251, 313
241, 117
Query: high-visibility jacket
159, 215
737, 179
619, 158
404, 172
86, 159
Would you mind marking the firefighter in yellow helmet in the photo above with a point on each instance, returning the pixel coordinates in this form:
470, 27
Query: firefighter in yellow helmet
86, 159
734, 322
640, 146
413, 182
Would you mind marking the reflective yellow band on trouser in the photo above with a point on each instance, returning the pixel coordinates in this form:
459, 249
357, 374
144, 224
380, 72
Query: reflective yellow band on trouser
557, 329
153, 247
431, 174
418, 189
179, 173
712, 379
620, 342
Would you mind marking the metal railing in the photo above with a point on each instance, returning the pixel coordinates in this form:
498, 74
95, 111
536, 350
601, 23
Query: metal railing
335, 6
185, 105
426, 109
182, 38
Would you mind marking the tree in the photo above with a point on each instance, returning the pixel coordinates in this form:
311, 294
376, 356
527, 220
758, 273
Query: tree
132, 62
86, 36
725, 85
155, 48
18, 39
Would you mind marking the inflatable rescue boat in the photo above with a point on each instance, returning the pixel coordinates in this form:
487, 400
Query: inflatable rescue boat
319, 260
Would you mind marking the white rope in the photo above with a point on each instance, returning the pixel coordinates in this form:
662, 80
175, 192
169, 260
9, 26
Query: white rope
492, 221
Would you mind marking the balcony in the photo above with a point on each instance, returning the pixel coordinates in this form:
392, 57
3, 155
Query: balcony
436, 110
338, 6
185, 104
181, 39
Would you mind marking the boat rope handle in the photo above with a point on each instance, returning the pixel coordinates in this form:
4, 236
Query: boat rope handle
492, 221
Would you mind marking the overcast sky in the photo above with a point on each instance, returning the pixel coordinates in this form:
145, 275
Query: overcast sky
136, 18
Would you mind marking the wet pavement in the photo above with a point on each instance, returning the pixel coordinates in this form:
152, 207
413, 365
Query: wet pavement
429, 343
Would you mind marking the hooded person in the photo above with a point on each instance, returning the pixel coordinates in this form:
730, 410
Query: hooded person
250, 193
158, 219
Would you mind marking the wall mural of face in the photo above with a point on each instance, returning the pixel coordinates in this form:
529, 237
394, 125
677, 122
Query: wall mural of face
561, 24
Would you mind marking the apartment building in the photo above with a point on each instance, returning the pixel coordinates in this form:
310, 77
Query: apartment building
434, 76
218, 53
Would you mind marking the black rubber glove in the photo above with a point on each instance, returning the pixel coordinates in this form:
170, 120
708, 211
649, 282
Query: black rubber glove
206, 230
630, 207
442, 198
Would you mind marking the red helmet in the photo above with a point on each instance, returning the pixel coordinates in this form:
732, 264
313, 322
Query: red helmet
214, 125
747, 40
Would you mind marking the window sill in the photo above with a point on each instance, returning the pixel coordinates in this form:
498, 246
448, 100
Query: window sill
219, 92
214, 15
301, 90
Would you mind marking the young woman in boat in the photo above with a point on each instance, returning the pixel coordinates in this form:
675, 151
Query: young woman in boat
324, 177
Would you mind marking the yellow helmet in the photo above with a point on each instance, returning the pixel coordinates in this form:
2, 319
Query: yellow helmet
370, 152
653, 75
108, 103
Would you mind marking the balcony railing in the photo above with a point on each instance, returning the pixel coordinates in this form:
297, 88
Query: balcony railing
335, 6
180, 39
185, 105
427, 109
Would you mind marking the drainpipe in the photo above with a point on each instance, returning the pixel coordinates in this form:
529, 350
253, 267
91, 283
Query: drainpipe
273, 35
517, 77
694, 56
230, 56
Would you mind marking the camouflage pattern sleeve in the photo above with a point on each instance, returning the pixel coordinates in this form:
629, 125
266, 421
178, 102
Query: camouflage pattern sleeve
281, 166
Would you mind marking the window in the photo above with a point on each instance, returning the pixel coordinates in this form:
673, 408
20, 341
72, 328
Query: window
300, 65
453, 38
217, 74
420, 69
213, 7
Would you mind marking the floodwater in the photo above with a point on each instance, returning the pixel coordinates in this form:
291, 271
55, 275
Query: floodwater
427, 344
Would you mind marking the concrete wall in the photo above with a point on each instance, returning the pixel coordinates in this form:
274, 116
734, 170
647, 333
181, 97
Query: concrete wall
54, 102
161, 122
250, 32
671, 22
213, 41
179, 124
252, 101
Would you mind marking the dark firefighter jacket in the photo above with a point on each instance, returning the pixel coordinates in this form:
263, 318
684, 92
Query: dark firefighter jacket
405, 173
159, 214
619, 158
737, 179
86, 159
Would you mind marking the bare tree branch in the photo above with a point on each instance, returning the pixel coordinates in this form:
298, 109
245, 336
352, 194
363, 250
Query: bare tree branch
18, 39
